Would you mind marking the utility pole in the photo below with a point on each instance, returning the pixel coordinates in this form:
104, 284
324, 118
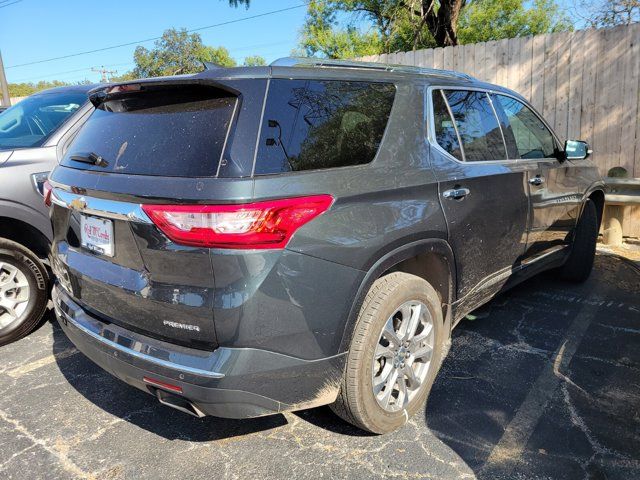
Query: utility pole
103, 73
6, 101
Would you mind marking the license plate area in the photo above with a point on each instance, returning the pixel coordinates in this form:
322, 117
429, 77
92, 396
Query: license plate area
96, 234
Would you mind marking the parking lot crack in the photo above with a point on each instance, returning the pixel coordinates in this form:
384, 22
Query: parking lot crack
508, 450
56, 451
580, 423
4, 464
35, 365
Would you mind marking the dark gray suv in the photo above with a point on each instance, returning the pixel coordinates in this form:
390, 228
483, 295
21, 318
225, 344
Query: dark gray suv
247, 241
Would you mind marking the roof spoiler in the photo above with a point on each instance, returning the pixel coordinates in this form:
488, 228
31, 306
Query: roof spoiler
113, 91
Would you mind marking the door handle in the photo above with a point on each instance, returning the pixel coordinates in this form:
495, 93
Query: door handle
456, 193
537, 180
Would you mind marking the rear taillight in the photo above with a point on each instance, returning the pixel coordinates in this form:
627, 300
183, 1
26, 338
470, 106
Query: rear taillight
46, 193
257, 225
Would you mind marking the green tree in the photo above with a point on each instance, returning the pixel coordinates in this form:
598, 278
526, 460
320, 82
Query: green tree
21, 89
322, 35
254, 61
26, 89
485, 20
403, 25
177, 52
418, 22
217, 55
124, 77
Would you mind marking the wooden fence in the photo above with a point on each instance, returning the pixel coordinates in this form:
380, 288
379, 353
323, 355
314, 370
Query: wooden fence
586, 84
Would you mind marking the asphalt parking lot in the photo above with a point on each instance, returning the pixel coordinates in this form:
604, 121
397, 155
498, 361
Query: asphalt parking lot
544, 383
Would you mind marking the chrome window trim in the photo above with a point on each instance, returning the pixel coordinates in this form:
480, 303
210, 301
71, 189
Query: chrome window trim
488, 91
99, 207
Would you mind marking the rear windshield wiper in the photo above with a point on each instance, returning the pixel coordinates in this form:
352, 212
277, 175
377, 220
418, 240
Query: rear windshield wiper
91, 158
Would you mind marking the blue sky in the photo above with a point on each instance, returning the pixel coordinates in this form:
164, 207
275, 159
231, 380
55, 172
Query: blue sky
34, 30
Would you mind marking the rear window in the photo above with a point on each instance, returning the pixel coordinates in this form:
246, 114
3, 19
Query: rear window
310, 124
178, 132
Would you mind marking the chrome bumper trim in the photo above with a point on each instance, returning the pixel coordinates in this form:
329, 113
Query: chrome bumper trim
137, 347
99, 207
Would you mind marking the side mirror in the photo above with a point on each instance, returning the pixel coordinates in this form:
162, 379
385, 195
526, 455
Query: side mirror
576, 150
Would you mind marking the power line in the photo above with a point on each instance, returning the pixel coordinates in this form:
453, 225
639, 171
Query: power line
103, 73
9, 4
55, 74
28, 79
228, 22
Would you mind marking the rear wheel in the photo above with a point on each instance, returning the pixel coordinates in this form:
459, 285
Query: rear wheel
578, 266
394, 355
23, 291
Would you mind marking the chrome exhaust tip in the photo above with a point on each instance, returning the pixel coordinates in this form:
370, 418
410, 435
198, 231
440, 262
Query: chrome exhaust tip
178, 403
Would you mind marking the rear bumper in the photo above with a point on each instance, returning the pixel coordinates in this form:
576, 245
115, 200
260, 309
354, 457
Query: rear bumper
227, 382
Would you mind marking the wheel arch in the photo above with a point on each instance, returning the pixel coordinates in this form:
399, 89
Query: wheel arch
429, 259
25, 234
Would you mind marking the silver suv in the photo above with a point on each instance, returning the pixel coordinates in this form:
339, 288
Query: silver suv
33, 136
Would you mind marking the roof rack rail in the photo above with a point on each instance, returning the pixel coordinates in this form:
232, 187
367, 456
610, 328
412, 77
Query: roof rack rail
330, 63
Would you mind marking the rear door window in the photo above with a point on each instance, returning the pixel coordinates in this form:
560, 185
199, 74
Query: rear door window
179, 131
533, 139
311, 124
477, 125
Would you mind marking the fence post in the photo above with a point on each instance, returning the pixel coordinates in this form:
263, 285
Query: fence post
614, 215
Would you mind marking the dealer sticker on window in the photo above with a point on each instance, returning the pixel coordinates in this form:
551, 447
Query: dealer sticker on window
96, 234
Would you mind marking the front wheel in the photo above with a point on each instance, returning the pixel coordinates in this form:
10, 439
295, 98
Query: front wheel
394, 356
578, 266
23, 291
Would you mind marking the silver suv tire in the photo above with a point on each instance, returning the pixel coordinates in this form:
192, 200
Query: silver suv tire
24, 291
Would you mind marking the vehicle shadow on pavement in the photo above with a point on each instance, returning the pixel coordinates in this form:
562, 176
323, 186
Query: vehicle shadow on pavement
141, 409
545, 383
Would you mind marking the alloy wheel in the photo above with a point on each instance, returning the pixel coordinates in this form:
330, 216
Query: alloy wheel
14, 293
402, 356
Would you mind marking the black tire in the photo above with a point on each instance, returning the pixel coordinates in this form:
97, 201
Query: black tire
29, 264
578, 266
356, 402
